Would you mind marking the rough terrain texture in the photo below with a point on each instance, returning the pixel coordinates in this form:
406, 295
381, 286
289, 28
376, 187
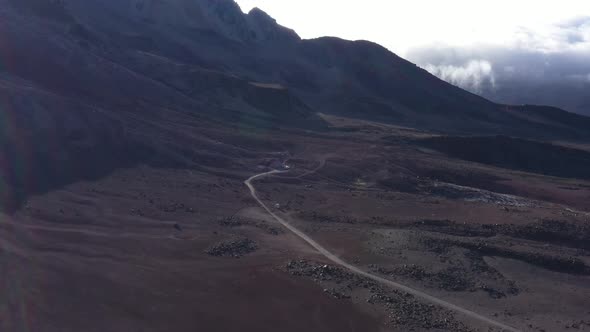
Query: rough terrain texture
129, 127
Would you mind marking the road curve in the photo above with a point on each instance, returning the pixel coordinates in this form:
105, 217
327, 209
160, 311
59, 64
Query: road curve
335, 259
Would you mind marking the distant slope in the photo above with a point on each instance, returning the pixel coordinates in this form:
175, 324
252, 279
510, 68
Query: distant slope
331, 75
572, 96
518, 154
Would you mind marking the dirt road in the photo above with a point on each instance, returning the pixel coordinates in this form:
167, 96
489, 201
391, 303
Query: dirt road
335, 259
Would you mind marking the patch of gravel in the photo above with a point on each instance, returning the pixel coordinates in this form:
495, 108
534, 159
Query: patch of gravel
175, 207
468, 194
233, 248
240, 221
481, 248
403, 310
451, 279
326, 218
578, 325
547, 231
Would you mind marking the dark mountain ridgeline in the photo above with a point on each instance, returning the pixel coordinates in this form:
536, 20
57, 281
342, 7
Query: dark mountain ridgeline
514, 153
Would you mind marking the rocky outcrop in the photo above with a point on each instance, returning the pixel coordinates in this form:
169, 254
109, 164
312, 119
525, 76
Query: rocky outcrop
266, 29
220, 17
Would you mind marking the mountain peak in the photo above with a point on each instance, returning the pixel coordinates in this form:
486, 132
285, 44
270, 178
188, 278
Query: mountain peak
266, 28
258, 11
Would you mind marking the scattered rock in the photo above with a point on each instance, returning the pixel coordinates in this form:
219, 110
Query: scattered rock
233, 248
548, 231
240, 221
403, 309
450, 279
175, 207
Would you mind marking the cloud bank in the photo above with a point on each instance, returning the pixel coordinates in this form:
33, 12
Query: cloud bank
475, 74
550, 66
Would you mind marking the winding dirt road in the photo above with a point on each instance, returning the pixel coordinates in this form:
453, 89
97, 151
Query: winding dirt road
335, 259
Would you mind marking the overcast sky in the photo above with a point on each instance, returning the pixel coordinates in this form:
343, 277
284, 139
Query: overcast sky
475, 44
401, 25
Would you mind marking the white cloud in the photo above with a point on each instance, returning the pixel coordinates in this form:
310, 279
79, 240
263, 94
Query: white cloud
558, 53
545, 66
472, 75
569, 36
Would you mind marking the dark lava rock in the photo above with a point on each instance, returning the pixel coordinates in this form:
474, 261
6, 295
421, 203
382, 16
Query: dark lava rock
234, 221
233, 248
403, 309
547, 231
450, 279
483, 248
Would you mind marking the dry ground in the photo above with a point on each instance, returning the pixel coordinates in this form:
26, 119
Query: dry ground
159, 249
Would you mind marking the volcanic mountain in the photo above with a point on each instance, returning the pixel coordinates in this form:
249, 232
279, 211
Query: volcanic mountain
140, 149
94, 77
171, 48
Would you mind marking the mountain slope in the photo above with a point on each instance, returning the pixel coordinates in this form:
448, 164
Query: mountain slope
355, 78
152, 67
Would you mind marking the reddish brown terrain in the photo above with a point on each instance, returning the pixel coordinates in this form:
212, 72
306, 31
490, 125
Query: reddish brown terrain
129, 131
156, 248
